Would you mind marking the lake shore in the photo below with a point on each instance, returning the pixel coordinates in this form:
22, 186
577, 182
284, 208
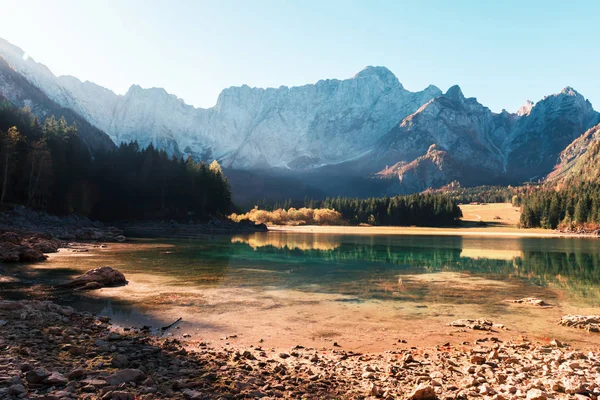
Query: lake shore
238, 342
76, 355
491, 220
490, 231
284, 317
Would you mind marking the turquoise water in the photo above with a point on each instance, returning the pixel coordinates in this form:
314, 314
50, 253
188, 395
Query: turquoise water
304, 287
354, 265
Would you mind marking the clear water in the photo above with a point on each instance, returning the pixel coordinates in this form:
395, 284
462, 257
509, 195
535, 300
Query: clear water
382, 278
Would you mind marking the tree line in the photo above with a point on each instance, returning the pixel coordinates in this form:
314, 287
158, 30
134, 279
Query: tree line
427, 209
45, 165
575, 204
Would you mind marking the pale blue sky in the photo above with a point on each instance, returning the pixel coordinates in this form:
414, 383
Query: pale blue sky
502, 52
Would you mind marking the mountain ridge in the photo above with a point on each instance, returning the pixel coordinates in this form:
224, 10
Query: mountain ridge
368, 125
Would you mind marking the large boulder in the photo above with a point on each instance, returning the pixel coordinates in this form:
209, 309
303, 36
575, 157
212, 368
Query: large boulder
11, 237
16, 248
97, 278
13, 248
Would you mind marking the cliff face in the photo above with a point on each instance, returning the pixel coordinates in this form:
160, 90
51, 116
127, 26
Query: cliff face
479, 146
368, 125
540, 136
580, 160
298, 128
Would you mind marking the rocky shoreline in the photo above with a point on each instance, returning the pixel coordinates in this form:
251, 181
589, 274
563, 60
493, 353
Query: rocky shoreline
54, 352
173, 229
580, 232
25, 221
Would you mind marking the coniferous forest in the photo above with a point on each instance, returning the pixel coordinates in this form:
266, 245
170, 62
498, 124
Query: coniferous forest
427, 209
417, 209
575, 204
46, 165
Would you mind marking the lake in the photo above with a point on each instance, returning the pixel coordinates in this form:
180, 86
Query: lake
363, 292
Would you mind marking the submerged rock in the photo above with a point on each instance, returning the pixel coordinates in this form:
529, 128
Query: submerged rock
97, 278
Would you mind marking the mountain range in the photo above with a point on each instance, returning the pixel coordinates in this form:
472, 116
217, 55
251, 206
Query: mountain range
366, 135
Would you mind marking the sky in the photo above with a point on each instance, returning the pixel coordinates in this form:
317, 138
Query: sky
502, 52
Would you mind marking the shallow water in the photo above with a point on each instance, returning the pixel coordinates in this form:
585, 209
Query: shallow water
321, 286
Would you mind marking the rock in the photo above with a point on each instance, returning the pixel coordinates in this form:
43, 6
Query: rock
476, 324
126, 375
532, 301
91, 286
119, 361
106, 276
368, 375
192, 394
590, 323
120, 238
37, 376
423, 392
536, 394
17, 390
28, 254
95, 383
76, 373
118, 395
56, 378
375, 390
15, 248
45, 246
11, 237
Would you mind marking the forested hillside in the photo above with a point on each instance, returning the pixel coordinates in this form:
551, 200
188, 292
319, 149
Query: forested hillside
46, 165
574, 205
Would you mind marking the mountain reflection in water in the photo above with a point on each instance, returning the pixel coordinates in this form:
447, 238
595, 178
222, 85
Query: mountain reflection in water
571, 264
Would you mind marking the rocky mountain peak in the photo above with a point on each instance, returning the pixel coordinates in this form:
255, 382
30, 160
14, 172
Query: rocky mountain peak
381, 73
569, 91
455, 93
525, 108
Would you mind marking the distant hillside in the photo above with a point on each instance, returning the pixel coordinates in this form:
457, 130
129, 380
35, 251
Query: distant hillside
580, 160
19, 92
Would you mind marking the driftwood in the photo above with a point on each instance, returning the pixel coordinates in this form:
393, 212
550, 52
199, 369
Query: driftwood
164, 328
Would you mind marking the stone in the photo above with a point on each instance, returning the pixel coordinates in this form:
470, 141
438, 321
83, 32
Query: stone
423, 392
119, 361
126, 375
11, 237
192, 394
119, 395
56, 378
17, 390
91, 286
106, 276
536, 394
76, 373
94, 383
375, 390
37, 375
